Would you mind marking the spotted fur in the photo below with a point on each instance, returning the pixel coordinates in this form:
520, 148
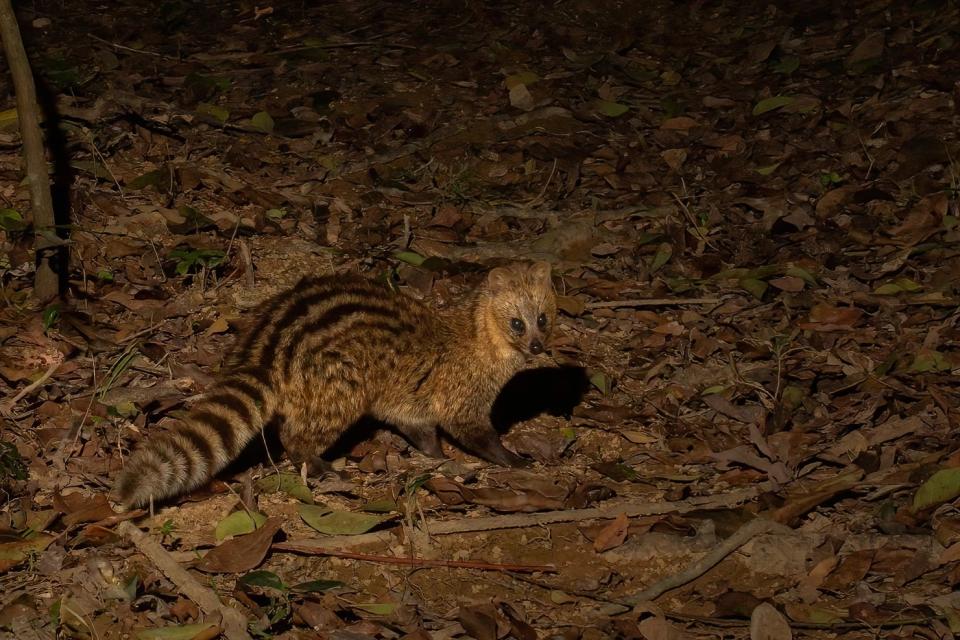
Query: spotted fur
335, 349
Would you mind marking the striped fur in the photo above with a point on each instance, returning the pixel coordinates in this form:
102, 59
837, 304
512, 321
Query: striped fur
335, 349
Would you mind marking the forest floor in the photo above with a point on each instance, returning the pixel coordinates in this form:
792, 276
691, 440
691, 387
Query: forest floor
752, 215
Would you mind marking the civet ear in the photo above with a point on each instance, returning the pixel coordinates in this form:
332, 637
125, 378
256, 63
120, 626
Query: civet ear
540, 271
500, 278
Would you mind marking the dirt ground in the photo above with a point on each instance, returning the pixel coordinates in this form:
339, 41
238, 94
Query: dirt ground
751, 210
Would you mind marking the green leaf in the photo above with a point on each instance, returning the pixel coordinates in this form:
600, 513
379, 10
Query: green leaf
942, 486
771, 104
262, 121
661, 257
787, 65
756, 287
104, 275
127, 409
381, 506
289, 483
377, 608
568, 433
159, 178
715, 389
889, 289
9, 119
263, 579
765, 171
410, 257
50, 316
311, 512
926, 361
175, 632
238, 523
524, 78
216, 112
803, 274
612, 109
314, 586
11, 220
616, 471
908, 285
339, 522
276, 214
601, 382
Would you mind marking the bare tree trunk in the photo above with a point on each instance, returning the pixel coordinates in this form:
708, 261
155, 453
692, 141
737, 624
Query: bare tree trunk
46, 284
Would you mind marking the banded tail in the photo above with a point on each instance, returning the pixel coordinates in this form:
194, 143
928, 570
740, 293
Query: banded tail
216, 430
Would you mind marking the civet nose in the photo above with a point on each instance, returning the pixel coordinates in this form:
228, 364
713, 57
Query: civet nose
536, 347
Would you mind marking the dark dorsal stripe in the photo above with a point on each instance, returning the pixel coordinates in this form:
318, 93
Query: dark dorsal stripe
320, 349
336, 314
241, 354
232, 402
260, 375
310, 285
241, 386
220, 425
300, 308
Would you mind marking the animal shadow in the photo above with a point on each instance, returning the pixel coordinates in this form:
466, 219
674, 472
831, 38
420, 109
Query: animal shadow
552, 390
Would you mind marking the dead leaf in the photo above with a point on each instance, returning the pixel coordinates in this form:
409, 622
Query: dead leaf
674, 158
870, 48
825, 317
612, 535
243, 553
79, 508
792, 284
521, 98
766, 623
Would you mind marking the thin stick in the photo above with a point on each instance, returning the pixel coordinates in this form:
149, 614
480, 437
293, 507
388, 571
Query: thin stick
650, 302
30, 388
743, 535
512, 521
234, 622
415, 562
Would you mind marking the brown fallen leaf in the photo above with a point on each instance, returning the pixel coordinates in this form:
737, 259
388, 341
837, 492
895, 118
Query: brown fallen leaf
825, 317
612, 535
13, 553
766, 623
78, 508
243, 553
792, 284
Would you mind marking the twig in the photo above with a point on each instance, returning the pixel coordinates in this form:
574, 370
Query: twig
743, 535
30, 388
341, 45
415, 562
130, 49
513, 521
650, 302
234, 622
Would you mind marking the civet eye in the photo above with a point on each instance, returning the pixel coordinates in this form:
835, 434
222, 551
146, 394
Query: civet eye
542, 320
517, 325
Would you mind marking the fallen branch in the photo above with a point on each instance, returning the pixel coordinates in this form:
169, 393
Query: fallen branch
297, 547
6, 407
650, 302
513, 521
234, 622
743, 535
